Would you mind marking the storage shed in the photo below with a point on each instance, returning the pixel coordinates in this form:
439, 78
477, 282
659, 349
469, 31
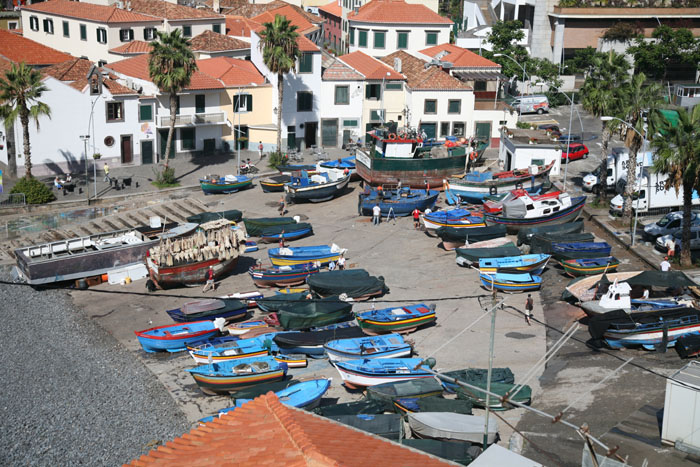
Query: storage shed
682, 407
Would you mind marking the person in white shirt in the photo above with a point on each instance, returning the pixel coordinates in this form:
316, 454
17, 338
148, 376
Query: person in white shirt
376, 214
341, 262
665, 265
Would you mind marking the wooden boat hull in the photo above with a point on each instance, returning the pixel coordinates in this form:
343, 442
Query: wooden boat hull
395, 348
489, 282
398, 207
224, 188
188, 274
574, 269
269, 278
492, 266
175, 337
224, 384
317, 193
569, 214
355, 377
582, 290
289, 236
410, 171
228, 313
475, 192
650, 339
374, 325
291, 260
274, 184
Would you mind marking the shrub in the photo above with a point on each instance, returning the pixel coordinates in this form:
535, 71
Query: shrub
34, 191
165, 178
524, 125
275, 159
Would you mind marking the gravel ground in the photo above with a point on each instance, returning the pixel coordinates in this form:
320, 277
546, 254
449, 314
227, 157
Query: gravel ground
72, 394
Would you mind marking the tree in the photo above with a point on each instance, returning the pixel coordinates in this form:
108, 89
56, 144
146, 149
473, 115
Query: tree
671, 48
504, 38
678, 156
20, 90
280, 52
171, 65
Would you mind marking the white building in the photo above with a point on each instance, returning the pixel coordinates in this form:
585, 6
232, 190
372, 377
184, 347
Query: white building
521, 149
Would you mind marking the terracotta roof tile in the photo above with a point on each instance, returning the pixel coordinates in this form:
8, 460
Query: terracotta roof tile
420, 78
5, 66
245, 8
459, 57
304, 26
305, 45
240, 25
90, 11
231, 71
74, 72
332, 8
370, 67
132, 48
396, 11
244, 437
339, 71
170, 11
137, 67
210, 41
20, 49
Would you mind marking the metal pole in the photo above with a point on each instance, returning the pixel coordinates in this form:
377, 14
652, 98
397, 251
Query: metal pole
94, 174
490, 370
568, 140
639, 187
87, 180
238, 134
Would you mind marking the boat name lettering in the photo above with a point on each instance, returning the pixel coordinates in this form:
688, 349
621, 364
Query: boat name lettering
363, 159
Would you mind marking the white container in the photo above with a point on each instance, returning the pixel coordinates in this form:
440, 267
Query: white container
682, 407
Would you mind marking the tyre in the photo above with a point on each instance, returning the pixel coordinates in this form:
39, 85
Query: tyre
540, 111
585, 156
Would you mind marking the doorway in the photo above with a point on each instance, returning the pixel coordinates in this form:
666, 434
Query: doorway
329, 133
242, 135
146, 151
483, 132
291, 137
310, 133
164, 141
127, 149
430, 129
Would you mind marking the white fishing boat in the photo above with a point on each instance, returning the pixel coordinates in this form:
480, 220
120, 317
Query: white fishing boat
449, 425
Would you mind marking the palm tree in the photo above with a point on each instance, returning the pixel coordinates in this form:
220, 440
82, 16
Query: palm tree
20, 90
280, 51
678, 155
171, 64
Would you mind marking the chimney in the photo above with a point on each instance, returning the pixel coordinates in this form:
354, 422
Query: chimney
397, 64
128, 5
216, 7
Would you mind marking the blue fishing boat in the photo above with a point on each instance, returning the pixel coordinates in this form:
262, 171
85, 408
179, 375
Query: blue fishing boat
229, 376
526, 212
344, 163
387, 346
304, 395
176, 337
369, 372
589, 266
289, 169
209, 309
316, 188
312, 342
282, 276
222, 185
457, 218
577, 250
534, 264
250, 247
323, 254
399, 202
287, 232
396, 319
522, 282
221, 349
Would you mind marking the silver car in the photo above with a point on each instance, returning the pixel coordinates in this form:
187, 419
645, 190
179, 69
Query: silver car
662, 245
669, 224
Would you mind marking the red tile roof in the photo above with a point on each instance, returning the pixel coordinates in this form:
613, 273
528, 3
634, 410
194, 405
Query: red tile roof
244, 7
231, 71
75, 71
16, 48
459, 57
137, 67
210, 41
132, 48
396, 11
332, 8
304, 43
5, 66
240, 25
304, 26
170, 11
266, 432
339, 71
370, 67
418, 77
89, 11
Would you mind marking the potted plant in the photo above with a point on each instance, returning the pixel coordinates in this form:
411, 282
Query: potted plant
96, 156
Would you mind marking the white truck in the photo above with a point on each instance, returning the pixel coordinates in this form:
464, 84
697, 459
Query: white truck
652, 194
617, 162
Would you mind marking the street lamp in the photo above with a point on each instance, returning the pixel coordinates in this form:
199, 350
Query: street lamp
85, 139
381, 93
516, 62
606, 118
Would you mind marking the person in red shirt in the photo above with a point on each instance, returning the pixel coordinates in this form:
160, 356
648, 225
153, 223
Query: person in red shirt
416, 218
210, 280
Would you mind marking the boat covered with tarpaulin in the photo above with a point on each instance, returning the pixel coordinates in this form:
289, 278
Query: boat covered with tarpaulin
232, 215
455, 451
254, 226
478, 398
276, 302
354, 283
398, 202
477, 376
215, 185
363, 406
209, 309
453, 237
312, 342
516, 213
445, 425
432, 404
387, 393
313, 313
473, 255
542, 243
388, 426
575, 250
526, 233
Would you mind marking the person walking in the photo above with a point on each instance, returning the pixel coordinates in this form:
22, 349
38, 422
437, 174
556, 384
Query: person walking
376, 214
106, 169
671, 247
529, 305
210, 280
282, 239
665, 265
260, 150
416, 219
341, 262
283, 206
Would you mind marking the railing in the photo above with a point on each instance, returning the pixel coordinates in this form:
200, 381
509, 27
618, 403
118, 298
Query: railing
195, 119
13, 199
217, 117
165, 120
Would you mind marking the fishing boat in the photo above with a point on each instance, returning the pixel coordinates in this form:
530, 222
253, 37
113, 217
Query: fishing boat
473, 187
524, 212
276, 302
476, 376
274, 183
222, 349
460, 452
452, 426
544, 243
478, 398
289, 169
688, 346
617, 297
250, 246
563, 251
229, 376
233, 215
303, 395
313, 313
457, 218
176, 337
388, 346
215, 185
312, 342
368, 372
396, 319
389, 426
288, 232
249, 298
534, 264
323, 254
254, 226
245, 327
344, 166
292, 361
395, 157
354, 283
432, 404
458, 237
585, 288
362, 406
526, 233
209, 309
281, 276
493, 204
387, 393
186, 261
472, 255
588, 266
316, 188
93, 255
395, 201
522, 282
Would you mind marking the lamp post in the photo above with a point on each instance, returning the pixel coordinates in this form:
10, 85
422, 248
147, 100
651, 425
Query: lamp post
381, 94
517, 63
85, 139
606, 118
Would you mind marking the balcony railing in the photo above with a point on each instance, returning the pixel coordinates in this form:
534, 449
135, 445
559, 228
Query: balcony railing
213, 118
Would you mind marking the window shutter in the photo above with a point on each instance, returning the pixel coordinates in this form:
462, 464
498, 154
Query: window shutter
367, 91
131, 34
249, 103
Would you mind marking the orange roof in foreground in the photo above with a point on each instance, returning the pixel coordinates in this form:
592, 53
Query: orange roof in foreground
132, 48
90, 11
239, 25
459, 57
332, 8
295, 17
232, 71
397, 11
418, 77
370, 66
137, 67
16, 48
266, 432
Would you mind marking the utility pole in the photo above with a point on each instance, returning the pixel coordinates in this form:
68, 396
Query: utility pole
494, 302
85, 139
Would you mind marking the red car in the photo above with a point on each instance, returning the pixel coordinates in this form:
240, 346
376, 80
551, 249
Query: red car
576, 151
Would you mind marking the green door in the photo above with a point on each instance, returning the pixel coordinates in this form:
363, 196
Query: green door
164, 141
430, 129
147, 151
483, 131
329, 133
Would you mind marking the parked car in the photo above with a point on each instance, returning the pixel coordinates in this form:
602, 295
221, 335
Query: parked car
661, 242
570, 136
576, 151
670, 224
525, 104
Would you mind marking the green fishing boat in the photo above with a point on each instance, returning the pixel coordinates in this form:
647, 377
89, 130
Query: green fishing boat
314, 313
478, 397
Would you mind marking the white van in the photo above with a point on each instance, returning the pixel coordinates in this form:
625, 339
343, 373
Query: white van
525, 104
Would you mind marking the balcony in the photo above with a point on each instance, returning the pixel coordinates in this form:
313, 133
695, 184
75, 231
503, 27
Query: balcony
213, 118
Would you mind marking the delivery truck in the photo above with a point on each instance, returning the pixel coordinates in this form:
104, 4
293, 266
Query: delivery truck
651, 194
617, 162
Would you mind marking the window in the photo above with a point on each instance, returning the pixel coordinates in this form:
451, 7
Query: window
199, 104
187, 138
177, 105
102, 35
362, 38
306, 63
33, 23
12, 25
216, 28
149, 34
145, 113
350, 123
187, 31
430, 106
431, 38
115, 111
48, 26
379, 39
376, 115
393, 86
242, 103
445, 129
66, 30
305, 101
342, 95
83, 32
373, 91
402, 40
352, 36
454, 106
458, 129
126, 35
479, 85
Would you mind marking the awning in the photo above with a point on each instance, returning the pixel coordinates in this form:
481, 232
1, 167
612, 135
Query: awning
479, 75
